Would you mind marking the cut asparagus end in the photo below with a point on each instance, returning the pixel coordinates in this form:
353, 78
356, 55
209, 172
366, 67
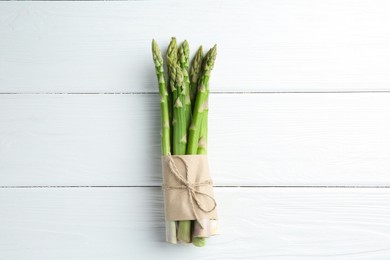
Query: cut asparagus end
184, 231
170, 232
209, 228
199, 241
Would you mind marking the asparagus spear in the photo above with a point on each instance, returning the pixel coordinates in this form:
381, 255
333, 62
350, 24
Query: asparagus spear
158, 61
171, 57
179, 133
165, 125
200, 102
184, 226
184, 61
198, 128
195, 71
202, 149
172, 75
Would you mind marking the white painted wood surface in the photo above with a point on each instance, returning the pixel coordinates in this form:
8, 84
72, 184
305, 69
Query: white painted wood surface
78, 117
278, 45
263, 139
256, 223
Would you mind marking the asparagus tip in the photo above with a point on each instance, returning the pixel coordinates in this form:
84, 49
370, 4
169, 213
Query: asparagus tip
157, 57
196, 67
172, 51
209, 60
154, 45
214, 50
184, 55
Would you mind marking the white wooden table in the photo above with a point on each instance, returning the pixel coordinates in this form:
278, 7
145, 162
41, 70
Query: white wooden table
299, 128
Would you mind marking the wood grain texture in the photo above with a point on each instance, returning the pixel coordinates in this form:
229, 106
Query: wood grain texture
268, 223
255, 139
277, 45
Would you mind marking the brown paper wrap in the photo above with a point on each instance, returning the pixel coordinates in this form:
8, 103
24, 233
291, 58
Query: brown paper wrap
188, 190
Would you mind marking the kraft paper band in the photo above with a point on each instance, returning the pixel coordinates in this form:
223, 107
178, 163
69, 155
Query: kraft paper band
188, 190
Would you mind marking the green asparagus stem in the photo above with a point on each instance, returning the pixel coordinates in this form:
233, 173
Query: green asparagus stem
165, 125
202, 144
184, 61
171, 57
184, 228
179, 132
200, 102
198, 128
179, 117
158, 61
202, 149
195, 71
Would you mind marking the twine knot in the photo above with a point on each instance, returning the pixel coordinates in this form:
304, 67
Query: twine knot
193, 193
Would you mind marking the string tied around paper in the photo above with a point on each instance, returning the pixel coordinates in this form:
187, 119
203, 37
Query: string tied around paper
193, 193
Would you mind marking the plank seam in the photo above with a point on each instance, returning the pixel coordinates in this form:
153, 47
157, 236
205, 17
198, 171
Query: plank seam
213, 92
217, 186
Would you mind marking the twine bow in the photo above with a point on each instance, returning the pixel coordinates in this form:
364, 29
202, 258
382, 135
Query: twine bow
193, 193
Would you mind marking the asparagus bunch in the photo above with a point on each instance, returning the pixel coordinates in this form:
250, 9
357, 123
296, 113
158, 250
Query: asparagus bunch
184, 118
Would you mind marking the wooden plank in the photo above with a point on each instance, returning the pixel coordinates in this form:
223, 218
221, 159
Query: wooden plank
269, 223
268, 45
255, 139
